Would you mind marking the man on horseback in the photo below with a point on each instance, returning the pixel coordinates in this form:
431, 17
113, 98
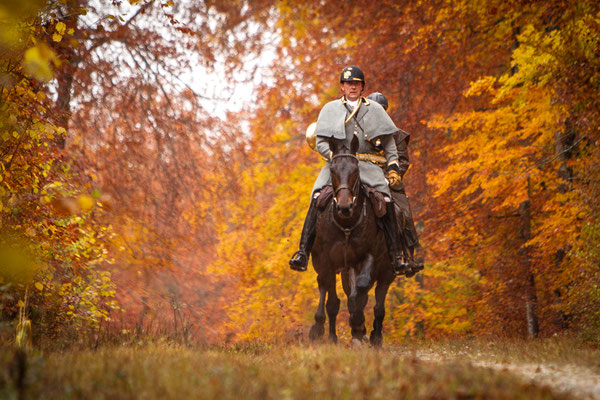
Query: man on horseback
348, 117
401, 139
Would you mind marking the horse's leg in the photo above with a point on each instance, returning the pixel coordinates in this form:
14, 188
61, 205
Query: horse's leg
333, 307
379, 313
356, 304
363, 280
317, 330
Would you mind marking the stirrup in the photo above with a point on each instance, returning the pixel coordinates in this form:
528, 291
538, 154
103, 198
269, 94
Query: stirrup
414, 267
299, 261
399, 267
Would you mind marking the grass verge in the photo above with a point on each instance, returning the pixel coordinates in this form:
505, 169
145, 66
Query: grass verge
254, 372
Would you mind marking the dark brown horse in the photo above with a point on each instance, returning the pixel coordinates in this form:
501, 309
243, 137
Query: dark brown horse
348, 241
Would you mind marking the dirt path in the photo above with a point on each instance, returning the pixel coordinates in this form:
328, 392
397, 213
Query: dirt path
574, 380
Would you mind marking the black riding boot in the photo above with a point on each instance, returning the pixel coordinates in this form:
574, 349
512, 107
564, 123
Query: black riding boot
415, 263
299, 260
390, 226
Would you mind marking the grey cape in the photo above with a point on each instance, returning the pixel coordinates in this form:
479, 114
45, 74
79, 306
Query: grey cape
371, 123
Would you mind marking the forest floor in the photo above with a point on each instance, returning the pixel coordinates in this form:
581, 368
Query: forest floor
449, 370
565, 366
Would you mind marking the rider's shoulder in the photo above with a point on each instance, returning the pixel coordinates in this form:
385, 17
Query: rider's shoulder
332, 106
333, 103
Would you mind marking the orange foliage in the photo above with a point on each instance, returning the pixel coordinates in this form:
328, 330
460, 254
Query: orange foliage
483, 90
128, 187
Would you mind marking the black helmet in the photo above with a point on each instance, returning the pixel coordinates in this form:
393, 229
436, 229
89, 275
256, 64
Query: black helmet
380, 98
352, 73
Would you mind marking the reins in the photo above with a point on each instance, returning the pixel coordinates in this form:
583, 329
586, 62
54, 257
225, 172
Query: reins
344, 155
348, 231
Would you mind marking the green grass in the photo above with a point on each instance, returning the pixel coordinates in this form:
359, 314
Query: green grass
161, 371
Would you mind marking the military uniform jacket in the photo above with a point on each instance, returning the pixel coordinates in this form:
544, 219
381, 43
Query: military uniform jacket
371, 124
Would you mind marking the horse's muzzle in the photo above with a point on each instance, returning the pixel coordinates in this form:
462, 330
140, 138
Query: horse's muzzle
344, 207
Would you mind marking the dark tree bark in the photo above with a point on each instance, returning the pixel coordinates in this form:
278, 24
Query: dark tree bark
529, 284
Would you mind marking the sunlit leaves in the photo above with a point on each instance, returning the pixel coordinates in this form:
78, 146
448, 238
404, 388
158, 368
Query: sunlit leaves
60, 31
37, 62
18, 265
511, 151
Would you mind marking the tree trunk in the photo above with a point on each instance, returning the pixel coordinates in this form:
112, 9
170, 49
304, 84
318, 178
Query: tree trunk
64, 75
63, 103
525, 258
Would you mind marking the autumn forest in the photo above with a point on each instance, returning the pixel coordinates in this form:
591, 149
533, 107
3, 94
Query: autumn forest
143, 194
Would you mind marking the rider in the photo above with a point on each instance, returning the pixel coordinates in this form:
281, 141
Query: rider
398, 193
353, 115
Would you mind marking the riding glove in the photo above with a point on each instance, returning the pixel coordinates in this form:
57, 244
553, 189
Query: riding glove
394, 178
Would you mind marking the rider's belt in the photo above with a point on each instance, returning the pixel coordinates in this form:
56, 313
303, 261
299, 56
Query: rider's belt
374, 158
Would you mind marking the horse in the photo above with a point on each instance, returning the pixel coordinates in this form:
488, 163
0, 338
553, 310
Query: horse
348, 241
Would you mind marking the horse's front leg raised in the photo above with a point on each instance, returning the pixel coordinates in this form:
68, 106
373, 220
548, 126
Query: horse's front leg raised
317, 330
363, 280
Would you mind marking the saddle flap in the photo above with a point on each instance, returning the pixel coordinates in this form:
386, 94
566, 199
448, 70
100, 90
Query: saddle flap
324, 197
377, 200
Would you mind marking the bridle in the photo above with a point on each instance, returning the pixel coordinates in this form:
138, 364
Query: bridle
353, 189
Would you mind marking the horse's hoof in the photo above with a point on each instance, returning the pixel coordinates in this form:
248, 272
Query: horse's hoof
316, 331
356, 342
376, 340
333, 339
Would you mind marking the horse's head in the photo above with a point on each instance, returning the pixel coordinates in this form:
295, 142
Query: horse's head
345, 178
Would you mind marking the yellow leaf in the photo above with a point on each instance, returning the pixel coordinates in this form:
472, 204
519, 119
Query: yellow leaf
85, 202
37, 62
61, 27
39, 286
21, 304
57, 37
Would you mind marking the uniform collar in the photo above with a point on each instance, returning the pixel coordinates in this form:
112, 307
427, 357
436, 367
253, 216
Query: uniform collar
365, 101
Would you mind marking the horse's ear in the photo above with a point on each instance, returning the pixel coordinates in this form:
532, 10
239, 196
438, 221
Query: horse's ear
354, 145
333, 142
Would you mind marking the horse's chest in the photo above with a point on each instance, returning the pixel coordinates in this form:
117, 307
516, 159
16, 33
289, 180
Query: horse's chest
349, 253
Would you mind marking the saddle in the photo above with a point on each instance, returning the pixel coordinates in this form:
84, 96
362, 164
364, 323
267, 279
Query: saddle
376, 198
